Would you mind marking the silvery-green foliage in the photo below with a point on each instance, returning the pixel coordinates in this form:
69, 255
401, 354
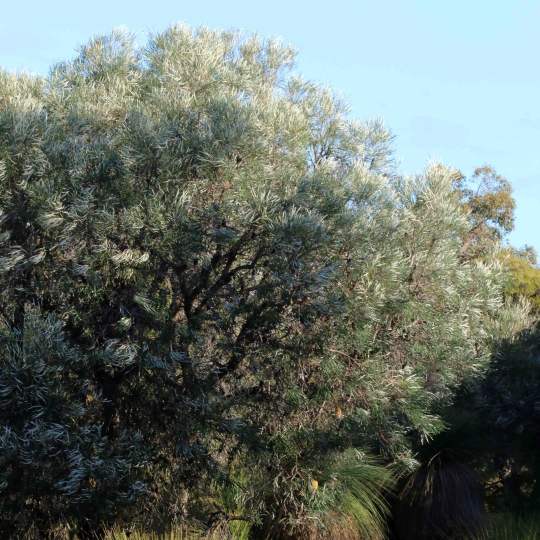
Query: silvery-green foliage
55, 459
235, 269
421, 319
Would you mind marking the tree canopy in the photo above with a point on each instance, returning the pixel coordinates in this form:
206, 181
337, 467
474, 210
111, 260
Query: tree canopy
215, 282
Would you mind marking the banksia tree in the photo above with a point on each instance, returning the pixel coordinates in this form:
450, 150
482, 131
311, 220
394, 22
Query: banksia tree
209, 272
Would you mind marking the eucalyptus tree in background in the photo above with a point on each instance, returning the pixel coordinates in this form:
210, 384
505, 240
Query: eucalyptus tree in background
213, 279
488, 201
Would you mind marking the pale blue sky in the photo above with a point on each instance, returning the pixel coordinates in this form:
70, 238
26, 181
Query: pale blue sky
457, 81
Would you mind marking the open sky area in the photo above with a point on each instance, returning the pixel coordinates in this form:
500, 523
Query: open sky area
456, 82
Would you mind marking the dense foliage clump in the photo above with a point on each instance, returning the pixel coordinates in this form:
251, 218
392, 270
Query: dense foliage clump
220, 301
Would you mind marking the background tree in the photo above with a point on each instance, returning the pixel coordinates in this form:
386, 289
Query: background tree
523, 276
487, 198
